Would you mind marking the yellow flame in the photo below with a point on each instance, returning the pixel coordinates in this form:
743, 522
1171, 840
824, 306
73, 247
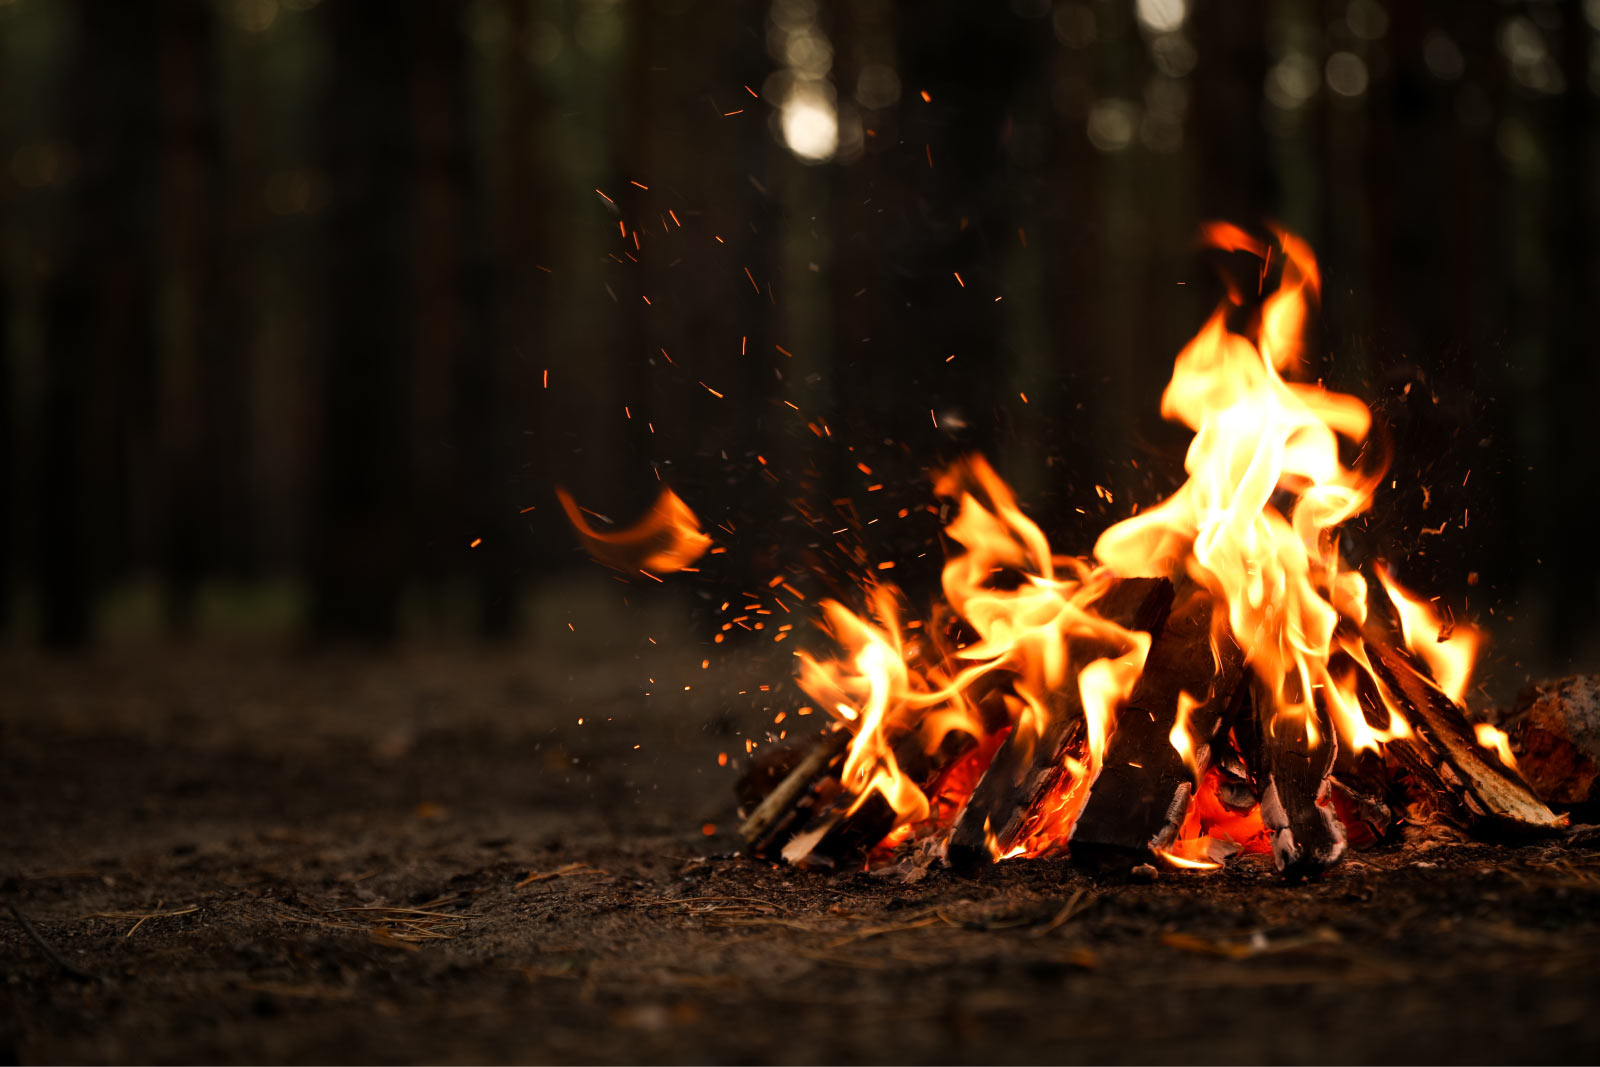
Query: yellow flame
1449, 651
1255, 524
1181, 741
1025, 628
1184, 862
1496, 741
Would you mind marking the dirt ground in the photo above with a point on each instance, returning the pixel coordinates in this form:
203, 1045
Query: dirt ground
241, 854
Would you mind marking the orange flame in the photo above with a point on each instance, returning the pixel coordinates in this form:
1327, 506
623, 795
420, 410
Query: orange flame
1448, 649
1180, 737
1026, 629
1185, 863
1255, 525
668, 538
1495, 740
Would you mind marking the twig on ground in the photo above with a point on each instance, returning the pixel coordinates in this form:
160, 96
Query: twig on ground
569, 871
1072, 908
143, 917
879, 931
717, 900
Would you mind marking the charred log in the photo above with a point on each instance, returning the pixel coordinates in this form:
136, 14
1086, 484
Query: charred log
1294, 768
1144, 789
1365, 815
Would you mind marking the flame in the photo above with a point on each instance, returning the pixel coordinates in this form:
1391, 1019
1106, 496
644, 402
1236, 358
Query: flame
1449, 649
668, 538
1021, 650
1030, 613
1254, 524
1180, 738
1495, 739
1185, 862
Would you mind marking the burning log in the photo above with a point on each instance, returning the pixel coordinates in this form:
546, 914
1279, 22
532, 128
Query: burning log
1144, 789
1295, 768
1025, 770
844, 830
1445, 751
811, 820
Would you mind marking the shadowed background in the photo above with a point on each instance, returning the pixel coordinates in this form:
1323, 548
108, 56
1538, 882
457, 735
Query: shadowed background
309, 305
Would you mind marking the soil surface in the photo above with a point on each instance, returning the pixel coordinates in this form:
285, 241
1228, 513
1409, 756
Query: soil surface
242, 855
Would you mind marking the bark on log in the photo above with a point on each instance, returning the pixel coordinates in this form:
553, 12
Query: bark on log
1024, 769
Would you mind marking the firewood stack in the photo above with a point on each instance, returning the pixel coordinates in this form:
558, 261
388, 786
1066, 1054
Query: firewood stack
1313, 800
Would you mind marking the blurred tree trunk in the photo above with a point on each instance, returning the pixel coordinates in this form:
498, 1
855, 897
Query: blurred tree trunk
622, 451
1236, 180
8, 452
360, 554
203, 417
442, 468
96, 303
1068, 240
511, 320
498, 266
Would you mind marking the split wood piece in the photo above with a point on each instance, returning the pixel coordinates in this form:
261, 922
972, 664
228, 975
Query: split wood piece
1024, 769
1490, 795
1142, 795
779, 810
839, 834
1294, 771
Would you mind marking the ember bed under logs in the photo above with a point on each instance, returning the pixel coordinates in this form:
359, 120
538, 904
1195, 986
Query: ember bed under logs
1216, 679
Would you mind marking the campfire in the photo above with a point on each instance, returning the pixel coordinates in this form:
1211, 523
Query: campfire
1215, 679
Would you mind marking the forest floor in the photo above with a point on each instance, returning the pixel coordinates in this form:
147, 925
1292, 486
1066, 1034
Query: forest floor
242, 855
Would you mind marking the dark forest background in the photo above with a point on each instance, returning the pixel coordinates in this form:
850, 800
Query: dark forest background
302, 298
